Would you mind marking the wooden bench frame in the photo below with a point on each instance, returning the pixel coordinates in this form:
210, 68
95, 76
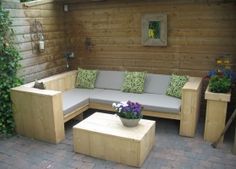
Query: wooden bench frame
38, 113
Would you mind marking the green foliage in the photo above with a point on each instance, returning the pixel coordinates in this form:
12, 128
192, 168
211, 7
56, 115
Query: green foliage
219, 84
9, 63
154, 29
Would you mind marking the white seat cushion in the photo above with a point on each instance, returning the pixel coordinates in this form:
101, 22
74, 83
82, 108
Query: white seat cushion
152, 102
75, 98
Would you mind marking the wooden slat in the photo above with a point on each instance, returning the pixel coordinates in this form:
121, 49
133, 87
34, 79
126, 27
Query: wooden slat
197, 35
37, 2
97, 134
75, 113
39, 122
37, 65
191, 95
41, 67
44, 73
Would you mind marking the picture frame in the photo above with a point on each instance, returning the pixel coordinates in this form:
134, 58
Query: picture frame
154, 29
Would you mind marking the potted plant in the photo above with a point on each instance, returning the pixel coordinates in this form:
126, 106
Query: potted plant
218, 95
218, 84
220, 81
129, 112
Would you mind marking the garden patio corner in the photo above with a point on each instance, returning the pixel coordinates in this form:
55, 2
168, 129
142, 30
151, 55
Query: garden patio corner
117, 84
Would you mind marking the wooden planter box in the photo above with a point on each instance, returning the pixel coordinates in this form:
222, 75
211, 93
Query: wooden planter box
215, 114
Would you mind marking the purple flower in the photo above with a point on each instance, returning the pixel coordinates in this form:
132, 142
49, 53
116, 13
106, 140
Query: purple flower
129, 110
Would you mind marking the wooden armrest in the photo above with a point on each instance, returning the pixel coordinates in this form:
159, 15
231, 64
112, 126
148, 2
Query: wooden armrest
38, 113
60, 82
35, 91
190, 107
194, 83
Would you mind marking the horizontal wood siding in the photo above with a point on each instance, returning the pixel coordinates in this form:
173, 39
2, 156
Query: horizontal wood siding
38, 65
197, 34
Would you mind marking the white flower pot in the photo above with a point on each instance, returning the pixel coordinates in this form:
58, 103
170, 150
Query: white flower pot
129, 122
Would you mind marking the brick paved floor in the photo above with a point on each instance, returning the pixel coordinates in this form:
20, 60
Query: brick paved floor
170, 151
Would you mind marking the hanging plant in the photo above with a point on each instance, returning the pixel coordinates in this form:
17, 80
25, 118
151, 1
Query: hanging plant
9, 63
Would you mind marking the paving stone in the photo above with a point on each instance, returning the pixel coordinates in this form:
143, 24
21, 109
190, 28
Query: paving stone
4, 165
86, 165
170, 151
203, 165
230, 167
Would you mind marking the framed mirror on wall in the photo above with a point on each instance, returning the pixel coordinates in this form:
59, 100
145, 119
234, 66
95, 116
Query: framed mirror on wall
154, 30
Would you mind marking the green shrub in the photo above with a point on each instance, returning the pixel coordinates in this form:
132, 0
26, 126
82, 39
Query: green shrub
218, 84
9, 63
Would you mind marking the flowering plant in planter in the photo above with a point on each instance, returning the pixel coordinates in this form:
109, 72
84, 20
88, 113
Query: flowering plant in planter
221, 80
128, 110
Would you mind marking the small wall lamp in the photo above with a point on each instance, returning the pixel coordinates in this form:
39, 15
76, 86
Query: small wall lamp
68, 56
37, 36
41, 43
66, 8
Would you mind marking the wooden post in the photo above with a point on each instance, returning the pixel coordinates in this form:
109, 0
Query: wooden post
191, 95
215, 114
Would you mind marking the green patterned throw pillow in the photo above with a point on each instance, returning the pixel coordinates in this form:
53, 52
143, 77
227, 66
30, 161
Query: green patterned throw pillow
134, 82
86, 78
176, 84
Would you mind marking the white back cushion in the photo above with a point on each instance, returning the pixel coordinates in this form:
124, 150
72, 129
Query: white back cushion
109, 79
156, 83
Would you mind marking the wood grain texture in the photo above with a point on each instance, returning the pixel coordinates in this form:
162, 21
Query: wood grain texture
60, 82
97, 135
34, 120
224, 97
38, 65
216, 112
191, 98
38, 113
197, 34
78, 113
31, 116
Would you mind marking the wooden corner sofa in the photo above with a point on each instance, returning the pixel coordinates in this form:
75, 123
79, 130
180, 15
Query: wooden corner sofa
41, 114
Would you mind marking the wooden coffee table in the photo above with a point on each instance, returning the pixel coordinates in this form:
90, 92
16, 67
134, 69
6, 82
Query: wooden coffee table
103, 136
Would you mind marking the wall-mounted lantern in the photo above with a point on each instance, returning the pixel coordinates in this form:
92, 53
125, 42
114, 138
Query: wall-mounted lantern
68, 56
37, 36
65, 8
41, 43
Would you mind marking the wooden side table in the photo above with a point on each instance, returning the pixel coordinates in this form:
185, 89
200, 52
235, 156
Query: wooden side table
215, 114
103, 136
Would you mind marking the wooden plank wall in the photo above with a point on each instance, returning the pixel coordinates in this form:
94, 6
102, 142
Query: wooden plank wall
38, 65
197, 34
